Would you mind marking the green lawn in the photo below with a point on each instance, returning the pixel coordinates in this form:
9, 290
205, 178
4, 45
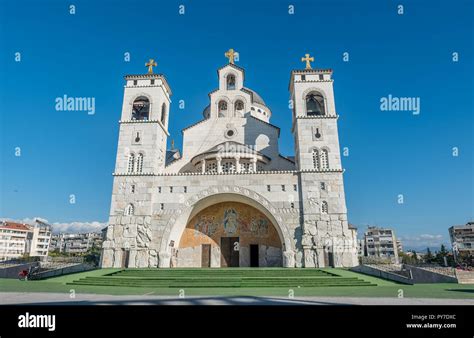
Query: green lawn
383, 288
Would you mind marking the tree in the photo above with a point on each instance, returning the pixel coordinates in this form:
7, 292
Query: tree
441, 254
429, 256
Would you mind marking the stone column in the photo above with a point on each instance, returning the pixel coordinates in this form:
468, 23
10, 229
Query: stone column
237, 164
219, 167
203, 165
254, 164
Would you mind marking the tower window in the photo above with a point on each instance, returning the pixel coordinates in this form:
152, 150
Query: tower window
295, 187
268, 188
324, 159
230, 82
152, 81
239, 108
159, 190
163, 113
129, 210
140, 163
141, 109
222, 106
323, 186
324, 207
315, 154
321, 77
171, 189
131, 163
185, 189
135, 82
283, 188
303, 77
132, 188
292, 205
162, 206
314, 104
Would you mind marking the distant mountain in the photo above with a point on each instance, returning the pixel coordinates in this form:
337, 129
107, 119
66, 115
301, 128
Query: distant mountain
422, 249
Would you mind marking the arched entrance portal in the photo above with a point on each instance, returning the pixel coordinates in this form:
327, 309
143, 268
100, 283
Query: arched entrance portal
228, 234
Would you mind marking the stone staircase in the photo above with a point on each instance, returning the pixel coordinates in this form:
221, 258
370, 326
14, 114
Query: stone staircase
221, 278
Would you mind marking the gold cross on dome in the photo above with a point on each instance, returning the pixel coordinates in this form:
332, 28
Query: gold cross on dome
230, 54
150, 64
308, 59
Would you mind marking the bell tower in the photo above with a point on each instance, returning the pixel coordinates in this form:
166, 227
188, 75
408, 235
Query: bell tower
327, 239
144, 124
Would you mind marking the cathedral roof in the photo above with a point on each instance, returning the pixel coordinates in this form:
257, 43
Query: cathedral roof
230, 147
255, 97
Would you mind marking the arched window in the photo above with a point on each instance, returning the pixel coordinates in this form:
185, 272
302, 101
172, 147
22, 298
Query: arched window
222, 109
324, 207
230, 82
141, 108
129, 210
239, 108
131, 163
315, 104
140, 163
163, 113
228, 166
315, 159
324, 159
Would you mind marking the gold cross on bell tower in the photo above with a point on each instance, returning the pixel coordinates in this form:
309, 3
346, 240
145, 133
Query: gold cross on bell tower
230, 54
308, 60
150, 64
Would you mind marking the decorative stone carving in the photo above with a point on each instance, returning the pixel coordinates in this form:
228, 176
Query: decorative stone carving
153, 258
164, 260
288, 259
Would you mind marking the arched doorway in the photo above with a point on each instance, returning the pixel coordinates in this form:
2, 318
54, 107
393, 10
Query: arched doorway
229, 234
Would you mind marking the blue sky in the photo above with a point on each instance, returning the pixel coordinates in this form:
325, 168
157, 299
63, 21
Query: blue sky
390, 152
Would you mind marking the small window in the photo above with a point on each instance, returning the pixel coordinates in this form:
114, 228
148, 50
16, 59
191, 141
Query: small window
139, 163
159, 190
323, 186
185, 190
129, 210
315, 154
268, 188
152, 81
324, 207
162, 206
303, 77
283, 188
131, 163
324, 159
171, 189
292, 205
321, 77
135, 82
295, 187
132, 188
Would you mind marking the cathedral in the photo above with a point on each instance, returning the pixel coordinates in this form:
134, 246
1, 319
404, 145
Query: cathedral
229, 198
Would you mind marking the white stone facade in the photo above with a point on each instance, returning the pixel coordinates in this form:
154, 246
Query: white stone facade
231, 155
